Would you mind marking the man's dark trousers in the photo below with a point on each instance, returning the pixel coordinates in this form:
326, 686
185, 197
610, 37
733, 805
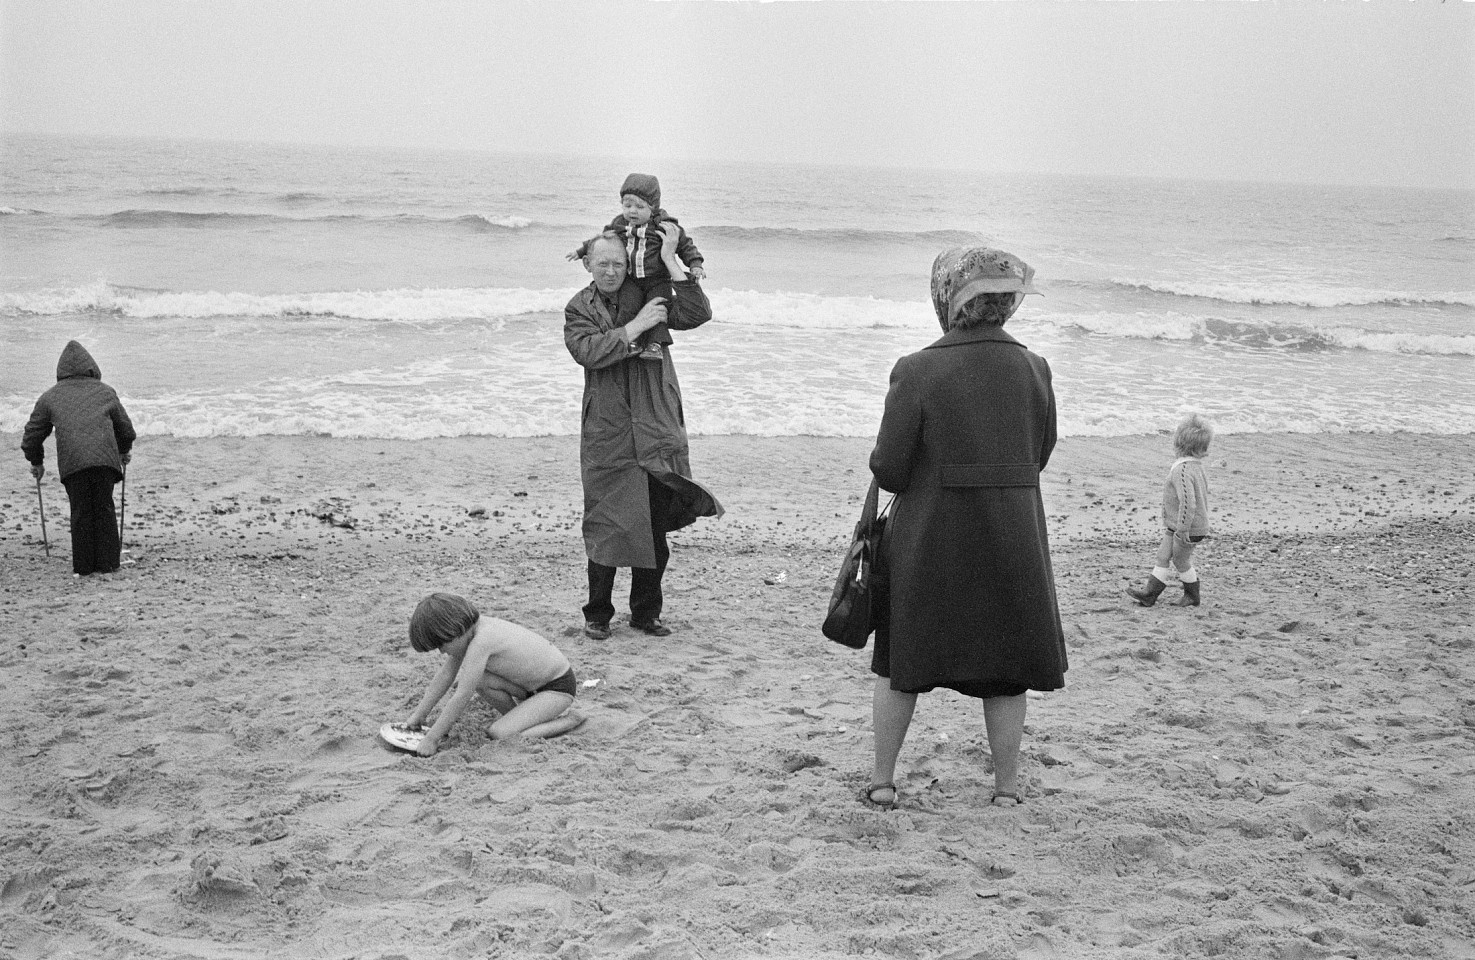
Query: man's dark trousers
645, 582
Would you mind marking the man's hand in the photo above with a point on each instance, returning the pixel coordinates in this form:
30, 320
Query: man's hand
127, 459
698, 272
650, 315
38, 470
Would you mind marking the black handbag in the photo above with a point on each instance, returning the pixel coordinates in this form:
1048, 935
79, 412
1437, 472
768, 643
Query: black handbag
852, 618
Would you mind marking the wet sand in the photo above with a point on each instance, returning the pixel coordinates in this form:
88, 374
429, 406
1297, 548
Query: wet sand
190, 767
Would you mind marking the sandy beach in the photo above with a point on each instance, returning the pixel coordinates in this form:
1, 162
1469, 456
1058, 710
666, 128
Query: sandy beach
191, 769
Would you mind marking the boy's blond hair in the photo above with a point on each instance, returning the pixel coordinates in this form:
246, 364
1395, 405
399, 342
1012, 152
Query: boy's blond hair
1193, 436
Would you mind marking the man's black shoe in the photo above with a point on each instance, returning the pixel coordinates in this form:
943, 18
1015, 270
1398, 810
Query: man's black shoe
653, 627
596, 631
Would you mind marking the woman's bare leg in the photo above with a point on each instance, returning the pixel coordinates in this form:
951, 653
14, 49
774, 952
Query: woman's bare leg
1003, 717
891, 716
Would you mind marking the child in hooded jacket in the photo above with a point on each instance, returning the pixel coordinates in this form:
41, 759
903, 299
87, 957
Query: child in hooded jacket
94, 438
640, 226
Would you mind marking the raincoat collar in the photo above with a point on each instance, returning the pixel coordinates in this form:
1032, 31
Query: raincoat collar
981, 334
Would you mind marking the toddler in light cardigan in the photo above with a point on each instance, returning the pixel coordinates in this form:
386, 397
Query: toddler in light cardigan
1185, 515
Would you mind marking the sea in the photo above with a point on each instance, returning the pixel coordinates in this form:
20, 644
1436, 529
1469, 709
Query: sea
246, 289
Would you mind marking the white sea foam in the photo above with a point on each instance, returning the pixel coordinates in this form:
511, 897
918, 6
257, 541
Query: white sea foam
740, 308
743, 307
812, 311
1152, 325
1299, 296
402, 304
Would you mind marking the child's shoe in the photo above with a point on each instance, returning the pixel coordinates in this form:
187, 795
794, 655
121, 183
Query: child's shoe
1190, 595
1148, 593
653, 351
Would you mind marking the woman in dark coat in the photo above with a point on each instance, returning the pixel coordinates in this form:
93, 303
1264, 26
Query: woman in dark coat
969, 424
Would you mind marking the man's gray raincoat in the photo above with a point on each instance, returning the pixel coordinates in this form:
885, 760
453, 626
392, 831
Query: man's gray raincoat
632, 425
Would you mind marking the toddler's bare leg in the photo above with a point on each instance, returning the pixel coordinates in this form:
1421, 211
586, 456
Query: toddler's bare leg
1165, 550
544, 714
1182, 553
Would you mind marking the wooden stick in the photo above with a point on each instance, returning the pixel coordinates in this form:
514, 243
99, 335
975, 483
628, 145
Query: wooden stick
42, 503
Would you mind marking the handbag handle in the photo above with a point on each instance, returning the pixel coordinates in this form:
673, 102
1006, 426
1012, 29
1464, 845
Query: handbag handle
866, 526
868, 512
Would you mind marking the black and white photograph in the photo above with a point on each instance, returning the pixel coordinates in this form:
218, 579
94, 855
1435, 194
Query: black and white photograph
614, 480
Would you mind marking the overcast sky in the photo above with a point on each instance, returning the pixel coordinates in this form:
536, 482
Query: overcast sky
1361, 91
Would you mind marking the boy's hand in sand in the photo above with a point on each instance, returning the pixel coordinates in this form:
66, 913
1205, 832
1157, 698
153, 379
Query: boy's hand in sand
427, 747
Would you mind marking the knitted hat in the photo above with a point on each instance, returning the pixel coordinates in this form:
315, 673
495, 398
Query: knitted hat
644, 186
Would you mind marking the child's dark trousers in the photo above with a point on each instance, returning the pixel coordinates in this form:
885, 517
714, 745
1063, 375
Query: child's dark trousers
95, 544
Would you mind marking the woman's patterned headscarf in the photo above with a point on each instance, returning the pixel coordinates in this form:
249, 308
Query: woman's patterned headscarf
962, 273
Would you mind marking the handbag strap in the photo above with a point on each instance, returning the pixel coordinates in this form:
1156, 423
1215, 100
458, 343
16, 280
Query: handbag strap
868, 511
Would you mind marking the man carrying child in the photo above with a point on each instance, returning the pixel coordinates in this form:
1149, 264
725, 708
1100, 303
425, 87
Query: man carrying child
633, 449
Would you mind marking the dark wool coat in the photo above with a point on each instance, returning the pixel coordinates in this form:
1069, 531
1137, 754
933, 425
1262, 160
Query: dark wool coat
92, 428
632, 425
969, 423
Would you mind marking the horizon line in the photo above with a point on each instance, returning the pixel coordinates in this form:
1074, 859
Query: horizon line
1013, 172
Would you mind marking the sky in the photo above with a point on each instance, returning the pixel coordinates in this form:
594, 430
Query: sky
1334, 91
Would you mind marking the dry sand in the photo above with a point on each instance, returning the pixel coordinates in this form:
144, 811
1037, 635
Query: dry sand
190, 767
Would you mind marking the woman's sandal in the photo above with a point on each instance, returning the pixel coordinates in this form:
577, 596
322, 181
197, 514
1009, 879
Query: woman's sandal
1006, 795
869, 795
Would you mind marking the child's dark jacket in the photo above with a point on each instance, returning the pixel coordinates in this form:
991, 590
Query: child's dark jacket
643, 246
92, 428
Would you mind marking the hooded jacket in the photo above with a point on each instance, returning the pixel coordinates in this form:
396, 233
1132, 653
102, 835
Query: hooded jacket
92, 428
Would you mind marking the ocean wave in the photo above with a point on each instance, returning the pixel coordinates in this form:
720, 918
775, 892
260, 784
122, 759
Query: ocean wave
19, 212
494, 223
741, 307
738, 308
1276, 336
189, 192
174, 218
1269, 295
142, 218
407, 305
841, 236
